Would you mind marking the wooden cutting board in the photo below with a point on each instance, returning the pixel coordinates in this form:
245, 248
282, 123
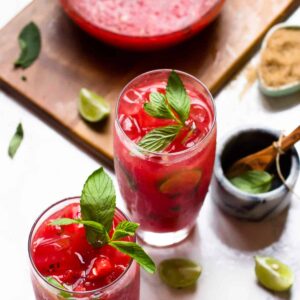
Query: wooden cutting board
70, 59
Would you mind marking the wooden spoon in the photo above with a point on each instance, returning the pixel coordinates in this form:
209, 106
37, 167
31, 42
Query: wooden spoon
262, 159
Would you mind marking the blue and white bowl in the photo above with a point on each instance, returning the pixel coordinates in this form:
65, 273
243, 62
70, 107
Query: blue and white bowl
232, 200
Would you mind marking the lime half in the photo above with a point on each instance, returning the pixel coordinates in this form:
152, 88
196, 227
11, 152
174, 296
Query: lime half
92, 107
179, 272
273, 274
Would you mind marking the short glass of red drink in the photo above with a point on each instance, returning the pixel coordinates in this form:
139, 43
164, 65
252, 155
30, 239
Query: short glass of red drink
65, 266
165, 190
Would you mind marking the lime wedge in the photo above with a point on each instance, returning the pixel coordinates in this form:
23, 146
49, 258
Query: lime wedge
92, 107
181, 182
179, 272
273, 274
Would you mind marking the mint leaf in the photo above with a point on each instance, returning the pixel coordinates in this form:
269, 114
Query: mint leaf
30, 45
57, 284
98, 203
125, 228
137, 253
16, 140
157, 107
158, 139
253, 182
177, 96
97, 228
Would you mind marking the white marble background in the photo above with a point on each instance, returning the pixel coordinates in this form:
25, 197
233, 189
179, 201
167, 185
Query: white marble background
48, 168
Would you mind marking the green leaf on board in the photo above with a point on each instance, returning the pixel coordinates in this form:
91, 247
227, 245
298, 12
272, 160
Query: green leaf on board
30, 45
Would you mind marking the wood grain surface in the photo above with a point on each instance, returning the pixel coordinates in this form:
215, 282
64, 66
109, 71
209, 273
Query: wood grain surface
70, 59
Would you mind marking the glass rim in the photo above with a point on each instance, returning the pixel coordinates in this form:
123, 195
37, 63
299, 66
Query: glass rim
44, 278
172, 154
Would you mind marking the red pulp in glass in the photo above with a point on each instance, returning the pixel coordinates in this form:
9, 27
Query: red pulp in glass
63, 253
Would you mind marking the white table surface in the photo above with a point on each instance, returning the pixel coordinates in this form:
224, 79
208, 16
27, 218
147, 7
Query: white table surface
48, 168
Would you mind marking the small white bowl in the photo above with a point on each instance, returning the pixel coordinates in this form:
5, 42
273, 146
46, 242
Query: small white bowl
282, 90
254, 207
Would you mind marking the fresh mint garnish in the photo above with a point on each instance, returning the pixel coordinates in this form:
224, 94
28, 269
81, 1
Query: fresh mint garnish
175, 105
97, 204
158, 107
124, 229
16, 140
30, 45
177, 96
253, 181
136, 252
159, 138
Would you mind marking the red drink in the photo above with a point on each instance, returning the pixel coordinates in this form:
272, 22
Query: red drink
85, 272
164, 191
142, 24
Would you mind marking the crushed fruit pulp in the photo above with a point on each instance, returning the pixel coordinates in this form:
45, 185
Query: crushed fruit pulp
63, 253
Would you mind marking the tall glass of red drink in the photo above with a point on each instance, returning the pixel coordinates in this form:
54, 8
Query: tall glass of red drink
65, 266
164, 191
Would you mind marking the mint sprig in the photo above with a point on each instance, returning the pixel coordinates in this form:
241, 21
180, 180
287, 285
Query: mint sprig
97, 205
177, 96
175, 105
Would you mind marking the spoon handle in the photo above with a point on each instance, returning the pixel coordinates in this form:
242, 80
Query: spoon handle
288, 141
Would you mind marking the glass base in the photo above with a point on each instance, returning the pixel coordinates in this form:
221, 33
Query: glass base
163, 239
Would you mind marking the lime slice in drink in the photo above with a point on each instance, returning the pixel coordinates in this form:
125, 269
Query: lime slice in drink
273, 274
181, 182
92, 107
179, 272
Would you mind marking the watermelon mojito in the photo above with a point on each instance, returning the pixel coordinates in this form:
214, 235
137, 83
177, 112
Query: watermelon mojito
65, 265
84, 248
164, 152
